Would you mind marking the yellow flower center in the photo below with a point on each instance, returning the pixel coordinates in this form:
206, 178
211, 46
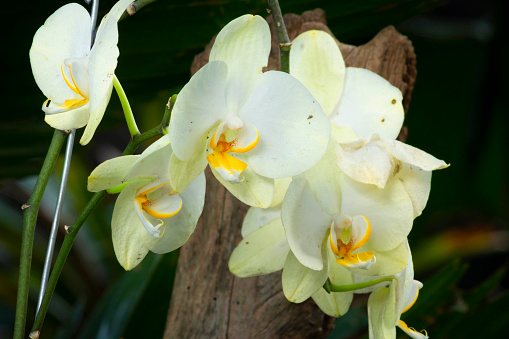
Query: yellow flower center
225, 141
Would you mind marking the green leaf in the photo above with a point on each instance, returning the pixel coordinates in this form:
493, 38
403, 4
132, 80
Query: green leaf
112, 314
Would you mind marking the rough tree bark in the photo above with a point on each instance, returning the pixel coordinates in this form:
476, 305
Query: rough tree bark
208, 301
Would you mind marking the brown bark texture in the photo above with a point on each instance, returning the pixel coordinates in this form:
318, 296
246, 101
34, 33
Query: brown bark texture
208, 301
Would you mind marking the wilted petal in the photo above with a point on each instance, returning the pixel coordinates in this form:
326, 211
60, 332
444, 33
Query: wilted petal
366, 163
411, 155
369, 105
316, 61
293, 129
262, 252
244, 45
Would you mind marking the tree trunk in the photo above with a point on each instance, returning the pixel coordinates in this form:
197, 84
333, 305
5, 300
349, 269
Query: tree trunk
208, 301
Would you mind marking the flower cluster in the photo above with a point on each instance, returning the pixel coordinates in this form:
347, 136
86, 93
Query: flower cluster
345, 221
333, 194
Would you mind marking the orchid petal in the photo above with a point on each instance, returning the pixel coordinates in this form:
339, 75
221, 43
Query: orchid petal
182, 173
333, 304
244, 45
258, 217
262, 252
369, 105
405, 281
324, 182
200, 105
71, 119
306, 224
127, 229
255, 190
293, 129
389, 210
280, 188
102, 64
153, 161
417, 183
179, 227
66, 32
367, 163
110, 173
381, 313
163, 206
301, 282
412, 333
316, 61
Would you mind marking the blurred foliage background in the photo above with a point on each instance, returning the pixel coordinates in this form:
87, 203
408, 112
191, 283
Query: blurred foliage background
458, 113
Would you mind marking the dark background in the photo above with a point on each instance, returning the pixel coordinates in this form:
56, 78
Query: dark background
458, 113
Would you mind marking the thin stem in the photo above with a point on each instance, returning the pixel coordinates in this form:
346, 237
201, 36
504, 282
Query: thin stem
56, 217
330, 287
128, 113
31, 209
92, 204
135, 7
282, 35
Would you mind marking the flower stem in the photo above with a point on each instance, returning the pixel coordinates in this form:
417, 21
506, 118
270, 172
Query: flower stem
92, 204
282, 35
330, 287
31, 209
128, 113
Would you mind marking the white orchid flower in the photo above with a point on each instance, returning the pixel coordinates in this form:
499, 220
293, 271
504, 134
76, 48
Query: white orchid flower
250, 127
366, 113
309, 248
77, 79
386, 304
148, 213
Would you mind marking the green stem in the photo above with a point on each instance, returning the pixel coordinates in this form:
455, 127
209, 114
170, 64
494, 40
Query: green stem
92, 204
128, 113
31, 209
330, 287
282, 35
